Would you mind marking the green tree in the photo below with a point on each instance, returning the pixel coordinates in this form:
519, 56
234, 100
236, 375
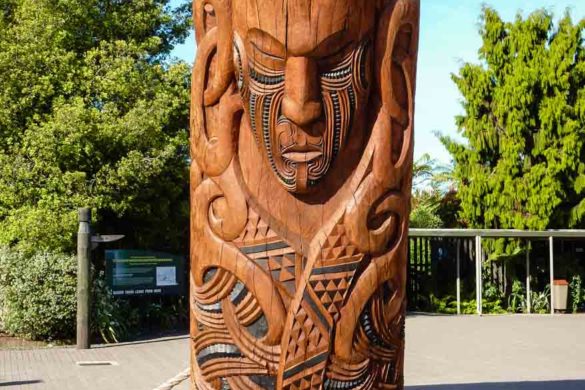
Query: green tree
523, 163
434, 197
93, 112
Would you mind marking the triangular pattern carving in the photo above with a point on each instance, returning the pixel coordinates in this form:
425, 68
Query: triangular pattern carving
262, 245
331, 293
337, 247
256, 230
329, 281
304, 335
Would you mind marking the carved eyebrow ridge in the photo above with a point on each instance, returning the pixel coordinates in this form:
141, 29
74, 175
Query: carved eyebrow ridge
339, 51
257, 33
273, 56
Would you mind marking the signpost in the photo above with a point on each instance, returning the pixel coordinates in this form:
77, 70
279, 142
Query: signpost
138, 272
128, 273
103, 238
85, 244
83, 277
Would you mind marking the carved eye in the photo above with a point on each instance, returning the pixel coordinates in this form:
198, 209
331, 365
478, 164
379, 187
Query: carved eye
363, 65
238, 67
265, 79
240, 63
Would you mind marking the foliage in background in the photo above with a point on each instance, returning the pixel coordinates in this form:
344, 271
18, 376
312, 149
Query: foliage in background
433, 198
493, 303
425, 216
493, 299
577, 294
522, 164
109, 316
540, 301
448, 305
117, 319
448, 210
517, 297
37, 295
38, 302
93, 112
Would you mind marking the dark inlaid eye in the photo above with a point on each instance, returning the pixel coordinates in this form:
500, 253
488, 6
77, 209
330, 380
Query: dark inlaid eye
239, 67
266, 79
363, 65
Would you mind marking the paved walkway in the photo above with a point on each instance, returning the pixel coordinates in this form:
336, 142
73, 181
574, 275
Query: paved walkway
503, 353
136, 366
443, 353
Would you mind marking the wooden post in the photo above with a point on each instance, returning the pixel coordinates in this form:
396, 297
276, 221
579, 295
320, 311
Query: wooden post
302, 137
83, 278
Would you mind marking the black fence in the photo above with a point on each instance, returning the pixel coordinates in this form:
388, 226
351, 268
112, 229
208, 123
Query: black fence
436, 278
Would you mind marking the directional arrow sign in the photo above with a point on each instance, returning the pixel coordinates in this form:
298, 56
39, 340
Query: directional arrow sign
98, 239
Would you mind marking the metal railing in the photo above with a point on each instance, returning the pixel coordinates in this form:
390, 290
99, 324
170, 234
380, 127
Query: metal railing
479, 234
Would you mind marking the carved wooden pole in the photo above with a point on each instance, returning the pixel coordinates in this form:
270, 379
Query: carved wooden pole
301, 138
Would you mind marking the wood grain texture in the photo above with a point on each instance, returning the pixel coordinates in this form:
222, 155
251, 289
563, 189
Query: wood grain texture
301, 143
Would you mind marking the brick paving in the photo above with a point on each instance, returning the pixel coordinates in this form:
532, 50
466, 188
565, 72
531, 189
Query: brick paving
443, 353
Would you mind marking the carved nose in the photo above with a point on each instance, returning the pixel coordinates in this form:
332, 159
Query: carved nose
302, 96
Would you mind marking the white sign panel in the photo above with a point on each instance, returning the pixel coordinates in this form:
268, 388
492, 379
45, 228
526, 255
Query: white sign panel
166, 276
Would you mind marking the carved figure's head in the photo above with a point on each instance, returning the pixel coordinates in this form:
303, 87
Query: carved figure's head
303, 69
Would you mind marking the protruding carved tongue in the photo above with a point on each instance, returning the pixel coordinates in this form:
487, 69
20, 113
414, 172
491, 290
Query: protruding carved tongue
302, 179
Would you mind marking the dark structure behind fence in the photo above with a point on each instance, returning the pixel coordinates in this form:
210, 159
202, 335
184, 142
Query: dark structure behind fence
444, 262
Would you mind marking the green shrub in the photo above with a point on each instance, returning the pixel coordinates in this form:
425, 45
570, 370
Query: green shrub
517, 298
577, 293
492, 299
38, 301
448, 305
116, 319
37, 295
540, 301
424, 216
111, 318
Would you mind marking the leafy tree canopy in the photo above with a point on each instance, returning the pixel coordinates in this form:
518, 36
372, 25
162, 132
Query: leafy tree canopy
523, 163
93, 112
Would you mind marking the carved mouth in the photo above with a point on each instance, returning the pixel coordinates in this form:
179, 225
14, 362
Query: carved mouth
302, 153
301, 157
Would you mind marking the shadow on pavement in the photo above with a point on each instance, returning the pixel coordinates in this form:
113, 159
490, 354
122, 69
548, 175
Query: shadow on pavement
553, 385
20, 383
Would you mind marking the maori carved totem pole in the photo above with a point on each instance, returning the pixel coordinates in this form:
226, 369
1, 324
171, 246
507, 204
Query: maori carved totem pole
301, 142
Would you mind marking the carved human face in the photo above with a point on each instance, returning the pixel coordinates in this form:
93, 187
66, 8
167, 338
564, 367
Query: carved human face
303, 70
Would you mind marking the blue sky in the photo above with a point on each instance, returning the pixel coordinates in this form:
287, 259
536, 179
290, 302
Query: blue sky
448, 37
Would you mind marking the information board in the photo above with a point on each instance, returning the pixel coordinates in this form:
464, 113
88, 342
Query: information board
139, 272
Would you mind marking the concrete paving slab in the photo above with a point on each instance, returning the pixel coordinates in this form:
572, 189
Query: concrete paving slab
133, 366
500, 352
443, 353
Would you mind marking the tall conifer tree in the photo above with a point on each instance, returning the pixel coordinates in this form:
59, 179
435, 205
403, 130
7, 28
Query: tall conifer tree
522, 164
